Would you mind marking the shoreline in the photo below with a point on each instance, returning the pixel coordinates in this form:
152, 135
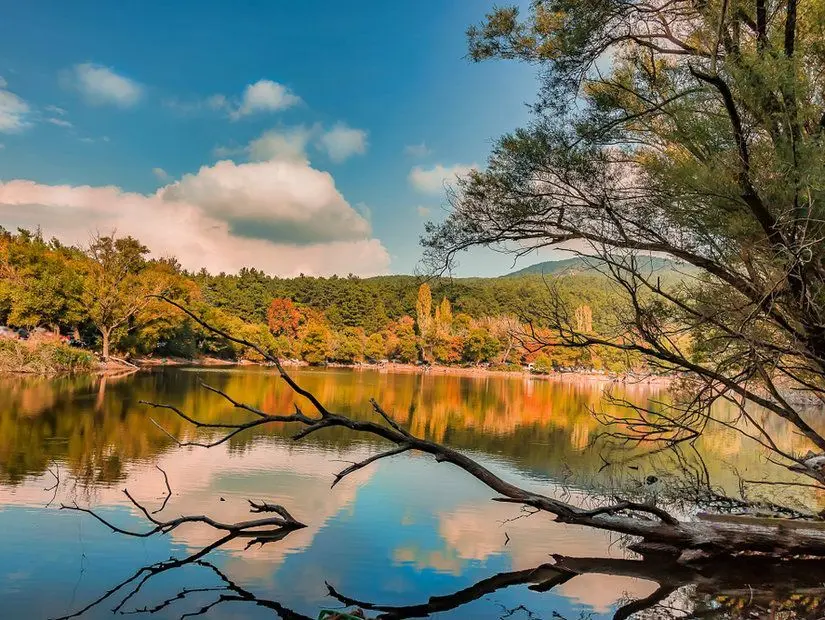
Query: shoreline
434, 369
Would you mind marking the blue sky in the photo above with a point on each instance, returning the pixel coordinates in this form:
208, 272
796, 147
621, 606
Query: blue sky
335, 122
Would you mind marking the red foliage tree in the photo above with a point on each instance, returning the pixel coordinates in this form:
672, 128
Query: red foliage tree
283, 317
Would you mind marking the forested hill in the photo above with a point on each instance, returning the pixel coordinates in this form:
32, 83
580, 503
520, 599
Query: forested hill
577, 264
370, 302
105, 296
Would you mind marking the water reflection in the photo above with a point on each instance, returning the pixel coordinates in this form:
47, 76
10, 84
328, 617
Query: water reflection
397, 533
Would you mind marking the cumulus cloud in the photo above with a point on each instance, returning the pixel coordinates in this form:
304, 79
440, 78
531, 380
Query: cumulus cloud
342, 142
287, 144
263, 96
278, 200
14, 112
292, 143
433, 180
160, 174
102, 86
283, 217
417, 150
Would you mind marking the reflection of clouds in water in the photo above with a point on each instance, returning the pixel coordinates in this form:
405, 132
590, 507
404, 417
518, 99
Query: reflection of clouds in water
477, 533
297, 478
440, 560
602, 592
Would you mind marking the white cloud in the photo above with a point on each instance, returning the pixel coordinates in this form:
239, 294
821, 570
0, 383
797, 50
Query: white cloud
55, 110
3, 82
263, 96
60, 122
417, 150
102, 86
279, 200
291, 144
286, 144
14, 111
342, 142
433, 180
161, 174
87, 140
283, 217
423, 211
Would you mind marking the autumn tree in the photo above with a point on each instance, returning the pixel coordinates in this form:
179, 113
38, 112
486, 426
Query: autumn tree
424, 319
283, 317
583, 318
444, 316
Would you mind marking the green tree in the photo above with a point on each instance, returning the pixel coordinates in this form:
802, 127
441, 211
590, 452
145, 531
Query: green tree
480, 346
118, 286
405, 343
702, 139
40, 283
348, 345
316, 343
376, 348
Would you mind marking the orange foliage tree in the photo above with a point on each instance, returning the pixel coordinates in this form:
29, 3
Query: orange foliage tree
283, 317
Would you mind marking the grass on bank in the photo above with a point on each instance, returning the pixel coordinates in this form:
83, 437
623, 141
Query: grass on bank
43, 357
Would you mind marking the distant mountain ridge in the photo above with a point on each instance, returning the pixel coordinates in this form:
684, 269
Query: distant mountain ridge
578, 264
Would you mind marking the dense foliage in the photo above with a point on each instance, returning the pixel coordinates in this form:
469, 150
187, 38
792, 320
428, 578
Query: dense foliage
102, 296
694, 130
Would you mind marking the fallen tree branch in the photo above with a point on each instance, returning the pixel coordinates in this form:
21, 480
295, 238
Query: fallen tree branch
623, 517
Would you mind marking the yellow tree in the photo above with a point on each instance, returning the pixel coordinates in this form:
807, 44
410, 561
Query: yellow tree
424, 317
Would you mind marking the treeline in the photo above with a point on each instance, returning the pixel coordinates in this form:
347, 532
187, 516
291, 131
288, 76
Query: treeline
103, 295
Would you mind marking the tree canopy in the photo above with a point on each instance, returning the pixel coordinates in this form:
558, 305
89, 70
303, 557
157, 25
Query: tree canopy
685, 129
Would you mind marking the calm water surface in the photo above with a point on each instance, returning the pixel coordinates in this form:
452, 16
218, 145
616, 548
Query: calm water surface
397, 533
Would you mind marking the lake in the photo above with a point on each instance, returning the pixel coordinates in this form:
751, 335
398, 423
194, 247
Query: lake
396, 533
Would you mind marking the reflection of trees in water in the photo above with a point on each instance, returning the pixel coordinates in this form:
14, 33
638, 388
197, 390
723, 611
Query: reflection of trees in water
97, 428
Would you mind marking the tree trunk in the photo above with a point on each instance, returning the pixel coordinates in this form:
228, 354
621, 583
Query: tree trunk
105, 332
